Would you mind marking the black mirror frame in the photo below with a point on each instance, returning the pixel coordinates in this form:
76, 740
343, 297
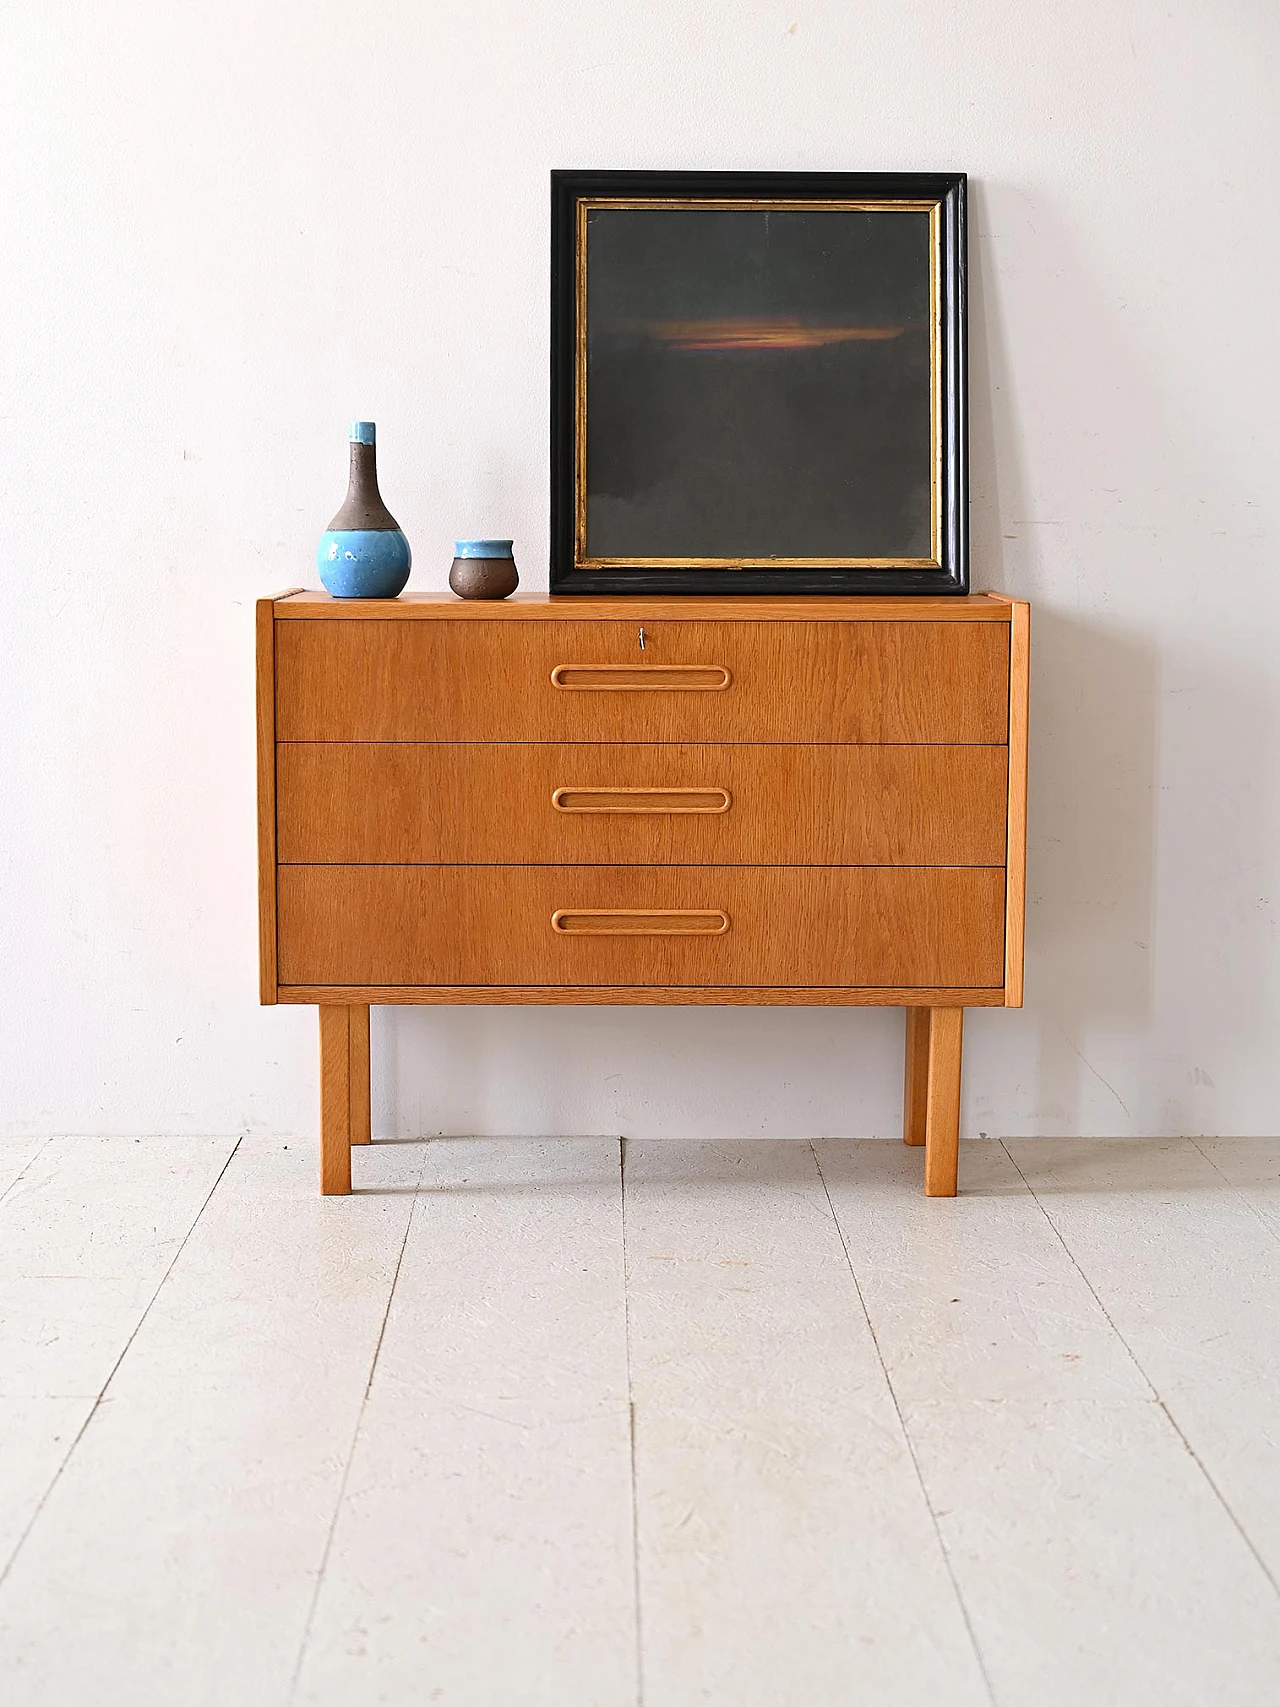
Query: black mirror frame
949, 189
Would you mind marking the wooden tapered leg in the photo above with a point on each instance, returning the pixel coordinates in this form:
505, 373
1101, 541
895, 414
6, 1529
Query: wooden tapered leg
360, 1127
335, 1101
942, 1117
915, 1093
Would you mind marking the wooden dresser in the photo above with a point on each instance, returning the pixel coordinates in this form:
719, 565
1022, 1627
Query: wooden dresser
643, 801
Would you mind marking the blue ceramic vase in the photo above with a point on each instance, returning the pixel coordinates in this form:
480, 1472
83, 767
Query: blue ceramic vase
362, 553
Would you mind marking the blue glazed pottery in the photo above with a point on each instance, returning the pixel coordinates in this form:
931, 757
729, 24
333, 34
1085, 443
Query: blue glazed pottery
362, 553
483, 569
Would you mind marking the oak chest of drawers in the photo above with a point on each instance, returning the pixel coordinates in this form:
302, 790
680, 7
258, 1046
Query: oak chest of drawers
631, 800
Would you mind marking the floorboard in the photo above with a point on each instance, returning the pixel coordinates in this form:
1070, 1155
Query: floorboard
483, 1552
176, 1557
1251, 1166
1190, 1275
88, 1227
16, 1155
1097, 1564
744, 1423
971, 1297
786, 1551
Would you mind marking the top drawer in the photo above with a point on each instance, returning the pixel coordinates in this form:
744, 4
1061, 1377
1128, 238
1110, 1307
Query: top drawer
874, 682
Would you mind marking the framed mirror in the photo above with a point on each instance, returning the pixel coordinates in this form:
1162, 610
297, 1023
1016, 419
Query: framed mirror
758, 383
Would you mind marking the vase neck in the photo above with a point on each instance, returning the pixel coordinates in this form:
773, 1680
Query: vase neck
363, 506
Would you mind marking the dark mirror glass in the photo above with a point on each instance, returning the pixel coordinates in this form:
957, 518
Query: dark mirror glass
759, 384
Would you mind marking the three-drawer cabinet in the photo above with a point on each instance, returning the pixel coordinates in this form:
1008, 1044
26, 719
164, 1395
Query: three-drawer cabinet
632, 800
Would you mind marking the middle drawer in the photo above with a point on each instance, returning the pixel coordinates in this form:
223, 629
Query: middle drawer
517, 803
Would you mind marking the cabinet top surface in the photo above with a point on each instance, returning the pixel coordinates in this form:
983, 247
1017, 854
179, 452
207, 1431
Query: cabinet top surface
530, 606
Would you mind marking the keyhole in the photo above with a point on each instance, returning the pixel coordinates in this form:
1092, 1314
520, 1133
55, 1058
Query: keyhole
642, 639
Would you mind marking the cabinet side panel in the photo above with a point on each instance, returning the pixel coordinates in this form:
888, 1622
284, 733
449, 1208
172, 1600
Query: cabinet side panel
1016, 886
266, 686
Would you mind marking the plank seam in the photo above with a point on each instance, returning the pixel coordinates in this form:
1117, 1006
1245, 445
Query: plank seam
1258, 1216
338, 1503
631, 1428
27, 1165
906, 1434
1156, 1395
111, 1375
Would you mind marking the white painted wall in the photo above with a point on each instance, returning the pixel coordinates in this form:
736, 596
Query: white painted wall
230, 227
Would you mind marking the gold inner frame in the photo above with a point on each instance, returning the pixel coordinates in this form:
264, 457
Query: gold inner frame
589, 204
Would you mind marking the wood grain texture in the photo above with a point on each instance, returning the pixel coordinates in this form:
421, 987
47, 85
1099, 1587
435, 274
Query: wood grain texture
851, 681
264, 616
485, 925
361, 1132
1016, 890
640, 608
915, 1094
335, 1101
622, 996
942, 1126
369, 803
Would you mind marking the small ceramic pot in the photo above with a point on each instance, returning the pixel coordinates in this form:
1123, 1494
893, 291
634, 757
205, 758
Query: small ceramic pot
483, 569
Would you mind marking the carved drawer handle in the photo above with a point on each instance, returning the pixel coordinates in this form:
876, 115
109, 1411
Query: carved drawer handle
642, 800
648, 678
636, 921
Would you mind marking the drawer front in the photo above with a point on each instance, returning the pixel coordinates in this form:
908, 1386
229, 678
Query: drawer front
736, 681
616, 804
856, 927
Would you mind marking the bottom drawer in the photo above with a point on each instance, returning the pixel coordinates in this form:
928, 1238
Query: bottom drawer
844, 926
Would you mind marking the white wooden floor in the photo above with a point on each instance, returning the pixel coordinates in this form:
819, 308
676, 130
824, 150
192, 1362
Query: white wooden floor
753, 1425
